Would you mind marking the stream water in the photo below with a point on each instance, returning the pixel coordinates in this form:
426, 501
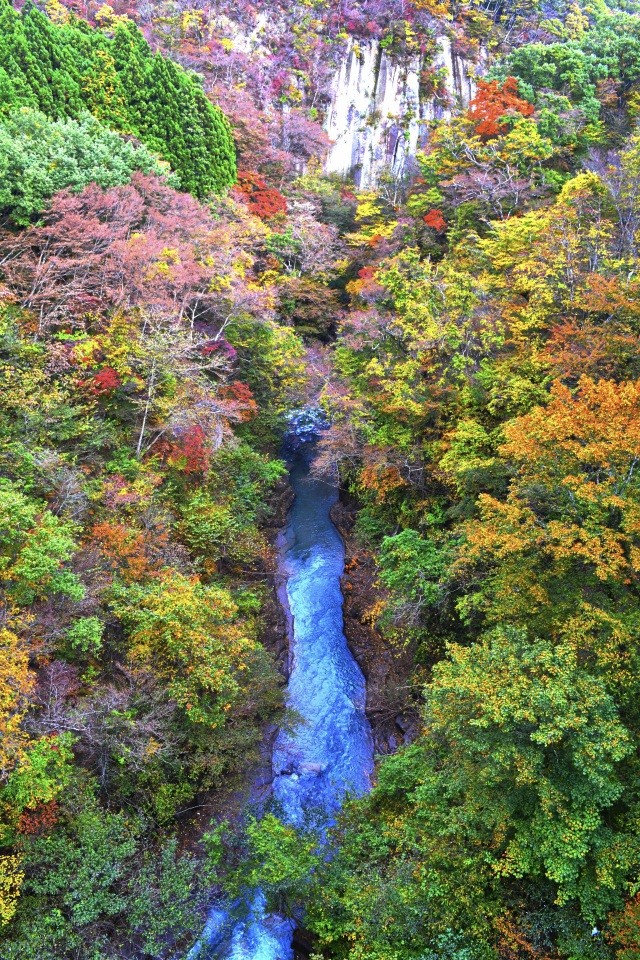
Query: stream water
330, 751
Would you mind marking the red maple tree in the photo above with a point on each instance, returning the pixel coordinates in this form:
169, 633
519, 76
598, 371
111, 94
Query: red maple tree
435, 220
263, 201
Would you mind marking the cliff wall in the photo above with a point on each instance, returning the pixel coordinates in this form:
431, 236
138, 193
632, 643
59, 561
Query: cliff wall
378, 115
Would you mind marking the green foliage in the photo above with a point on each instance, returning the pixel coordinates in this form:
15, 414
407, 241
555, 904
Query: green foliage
92, 875
516, 777
271, 360
609, 50
34, 547
195, 638
85, 635
166, 900
219, 522
43, 773
410, 566
413, 569
39, 156
82, 869
526, 723
213, 530
484, 400
471, 459
63, 70
278, 859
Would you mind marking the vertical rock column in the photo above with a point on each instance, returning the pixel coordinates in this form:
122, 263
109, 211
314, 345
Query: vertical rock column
376, 118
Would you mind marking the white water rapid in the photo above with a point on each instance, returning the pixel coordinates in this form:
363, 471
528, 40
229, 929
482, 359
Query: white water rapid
330, 751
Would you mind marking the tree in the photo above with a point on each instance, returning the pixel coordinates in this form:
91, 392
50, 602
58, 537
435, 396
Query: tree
66, 68
277, 859
516, 778
263, 201
567, 534
16, 685
39, 157
141, 247
493, 104
192, 636
35, 545
11, 878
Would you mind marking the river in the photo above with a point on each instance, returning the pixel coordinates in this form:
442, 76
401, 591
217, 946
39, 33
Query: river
330, 751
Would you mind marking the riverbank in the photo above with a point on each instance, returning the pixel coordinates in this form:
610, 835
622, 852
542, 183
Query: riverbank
254, 785
386, 669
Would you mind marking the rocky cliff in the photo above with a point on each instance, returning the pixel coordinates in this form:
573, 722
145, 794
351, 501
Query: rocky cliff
374, 97
379, 110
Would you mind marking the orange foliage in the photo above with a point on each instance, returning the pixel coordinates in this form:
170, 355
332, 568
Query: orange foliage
589, 349
588, 442
492, 102
624, 930
435, 220
569, 502
240, 396
124, 549
38, 820
612, 297
513, 944
381, 478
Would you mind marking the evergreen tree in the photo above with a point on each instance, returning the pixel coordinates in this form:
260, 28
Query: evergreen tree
66, 69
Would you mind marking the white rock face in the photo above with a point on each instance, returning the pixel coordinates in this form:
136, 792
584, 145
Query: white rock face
376, 119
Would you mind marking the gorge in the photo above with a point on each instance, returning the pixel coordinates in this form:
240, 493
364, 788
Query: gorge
380, 257
328, 750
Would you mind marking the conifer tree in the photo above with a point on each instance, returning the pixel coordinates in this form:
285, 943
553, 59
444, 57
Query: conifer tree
65, 69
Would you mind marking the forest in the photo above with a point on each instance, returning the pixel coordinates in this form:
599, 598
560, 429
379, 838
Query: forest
180, 276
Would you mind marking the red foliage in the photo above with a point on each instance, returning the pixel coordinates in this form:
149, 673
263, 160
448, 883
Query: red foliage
100, 251
492, 102
240, 395
39, 820
222, 347
435, 220
263, 201
105, 381
190, 452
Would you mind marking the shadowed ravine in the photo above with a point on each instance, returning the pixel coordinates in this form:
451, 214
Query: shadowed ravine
330, 752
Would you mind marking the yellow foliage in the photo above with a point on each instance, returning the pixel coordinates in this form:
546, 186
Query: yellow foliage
373, 223
11, 878
437, 8
16, 683
56, 11
107, 17
574, 462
